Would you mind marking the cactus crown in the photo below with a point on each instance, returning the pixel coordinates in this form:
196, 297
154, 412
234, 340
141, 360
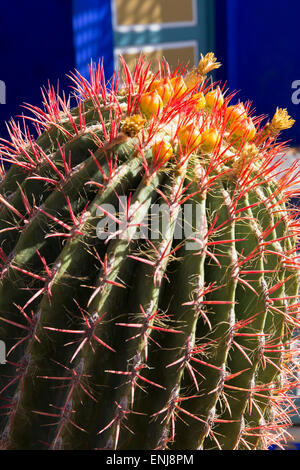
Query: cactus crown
149, 270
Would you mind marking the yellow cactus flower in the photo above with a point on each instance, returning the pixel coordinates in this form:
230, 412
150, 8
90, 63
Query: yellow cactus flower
280, 122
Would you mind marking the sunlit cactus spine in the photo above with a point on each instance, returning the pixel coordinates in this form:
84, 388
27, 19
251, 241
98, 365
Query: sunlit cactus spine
125, 329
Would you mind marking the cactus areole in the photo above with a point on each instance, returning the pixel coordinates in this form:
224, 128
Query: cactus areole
149, 269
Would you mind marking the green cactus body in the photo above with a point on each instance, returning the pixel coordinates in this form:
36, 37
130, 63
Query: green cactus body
149, 273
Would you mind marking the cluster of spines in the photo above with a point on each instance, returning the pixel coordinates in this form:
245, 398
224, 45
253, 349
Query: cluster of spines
79, 163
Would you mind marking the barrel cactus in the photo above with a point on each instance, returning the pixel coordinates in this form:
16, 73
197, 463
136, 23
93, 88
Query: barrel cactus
149, 270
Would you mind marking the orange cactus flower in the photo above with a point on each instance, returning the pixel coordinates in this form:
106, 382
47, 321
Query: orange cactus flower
150, 104
209, 140
179, 86
235, 113
189, 137
243, 130
164, 89
199, 101
214, 99
162, 151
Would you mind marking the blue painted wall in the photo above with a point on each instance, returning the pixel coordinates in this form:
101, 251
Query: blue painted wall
258, 41
36, 45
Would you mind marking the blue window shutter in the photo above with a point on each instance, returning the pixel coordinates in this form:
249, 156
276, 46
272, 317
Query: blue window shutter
93, 36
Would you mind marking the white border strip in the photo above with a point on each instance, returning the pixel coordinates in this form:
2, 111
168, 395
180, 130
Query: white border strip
154, 47
139, 28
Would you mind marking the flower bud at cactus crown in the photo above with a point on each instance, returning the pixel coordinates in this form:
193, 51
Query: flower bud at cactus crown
151, 104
